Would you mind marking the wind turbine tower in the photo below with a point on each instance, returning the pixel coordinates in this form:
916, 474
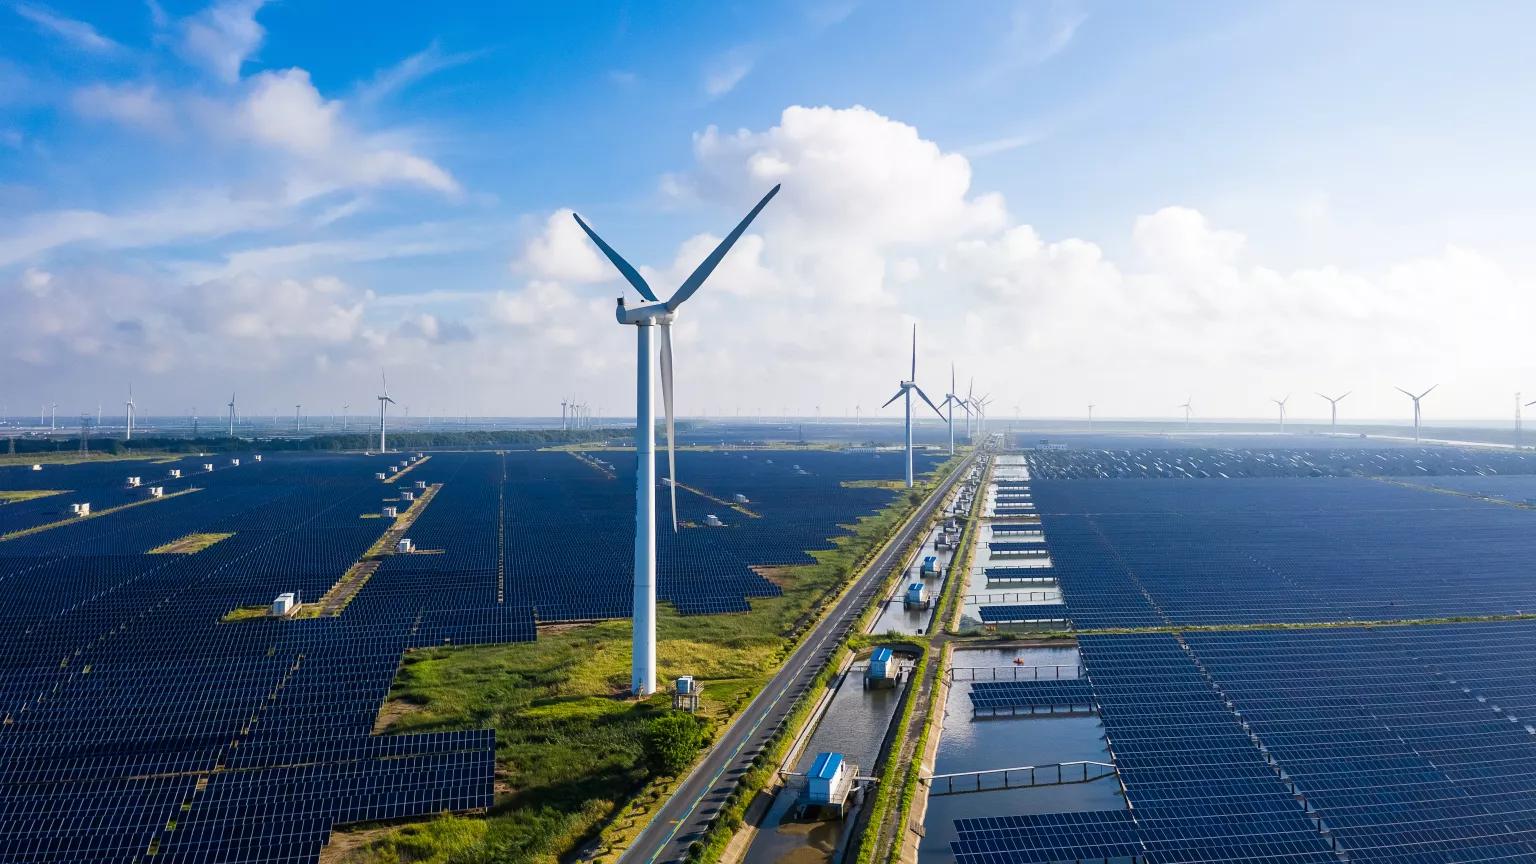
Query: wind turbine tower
384, 401
1090, 418
1518, 403
1188, 407
1333, 411
1416, 408
645, 319
1281, 403
905, 392
128, 411
949, 403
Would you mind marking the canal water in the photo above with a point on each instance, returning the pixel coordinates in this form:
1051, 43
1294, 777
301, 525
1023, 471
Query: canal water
976, 744
854, 724
896, 617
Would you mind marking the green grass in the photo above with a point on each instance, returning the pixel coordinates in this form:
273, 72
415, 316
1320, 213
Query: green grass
569, 748
17, 496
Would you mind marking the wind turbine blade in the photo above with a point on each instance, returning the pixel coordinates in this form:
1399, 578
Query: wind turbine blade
914, 353
1427, 392
1346, 393
894, 398
929, 401
1406, 393
631, 275
666, 403
708, 265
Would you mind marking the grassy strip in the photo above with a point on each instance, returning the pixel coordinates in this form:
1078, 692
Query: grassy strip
190, 544
888, 790
891, 794
246, 613
17, 496
95, 514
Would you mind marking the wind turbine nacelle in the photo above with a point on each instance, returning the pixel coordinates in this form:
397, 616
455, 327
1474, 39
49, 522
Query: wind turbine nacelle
650, 312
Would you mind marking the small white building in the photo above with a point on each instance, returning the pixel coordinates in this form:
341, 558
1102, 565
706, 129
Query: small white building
135, 481
207, 466
713, 521
175, 473
37, 467
391, 512
81, 509
916, 597
405, 546
421, 484
157, 491
283, 606
407, 496
235, 463
257, 457
380, 475
740, 499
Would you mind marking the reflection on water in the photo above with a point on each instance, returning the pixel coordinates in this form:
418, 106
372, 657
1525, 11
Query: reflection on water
855, 724
973, 745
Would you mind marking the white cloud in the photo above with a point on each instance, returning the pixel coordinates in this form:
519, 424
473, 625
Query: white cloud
77, 33
727, 70
221, 37
398, 77
140, 105
562, 253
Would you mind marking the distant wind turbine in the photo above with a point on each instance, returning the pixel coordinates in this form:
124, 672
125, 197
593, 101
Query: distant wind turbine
1188, 407
644, 319
1281, 403
905, 392
231, 407
949, 403
1333, 411
1090, 417
128, 410
1518, 403
1416, 408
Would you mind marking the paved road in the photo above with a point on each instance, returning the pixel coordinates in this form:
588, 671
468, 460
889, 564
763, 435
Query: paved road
685, 816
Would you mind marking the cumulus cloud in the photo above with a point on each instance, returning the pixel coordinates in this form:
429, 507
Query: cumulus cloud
221, 37
562, 253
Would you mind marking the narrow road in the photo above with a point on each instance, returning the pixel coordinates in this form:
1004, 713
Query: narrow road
685, 816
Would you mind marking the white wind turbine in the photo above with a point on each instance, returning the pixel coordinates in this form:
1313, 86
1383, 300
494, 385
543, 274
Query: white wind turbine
1416, 408
384, 401
1281, 403
1518, 403
905, 392
949, 403
1090, 417
1188, 407
128, 411
1333, 411
642, 678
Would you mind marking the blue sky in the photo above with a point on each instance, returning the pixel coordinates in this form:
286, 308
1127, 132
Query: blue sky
1076, 201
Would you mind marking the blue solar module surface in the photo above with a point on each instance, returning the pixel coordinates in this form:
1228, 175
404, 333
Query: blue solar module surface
1133, 553
128, 707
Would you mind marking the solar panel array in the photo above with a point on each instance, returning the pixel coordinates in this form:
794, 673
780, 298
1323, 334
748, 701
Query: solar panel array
1137, 553
1262, 461
135, 725
1049, 693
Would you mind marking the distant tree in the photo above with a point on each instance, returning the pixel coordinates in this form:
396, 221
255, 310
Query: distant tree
672, 741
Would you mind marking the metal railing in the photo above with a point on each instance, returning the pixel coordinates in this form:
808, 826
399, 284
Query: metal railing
1016, 778
1012, 596
1016, 673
